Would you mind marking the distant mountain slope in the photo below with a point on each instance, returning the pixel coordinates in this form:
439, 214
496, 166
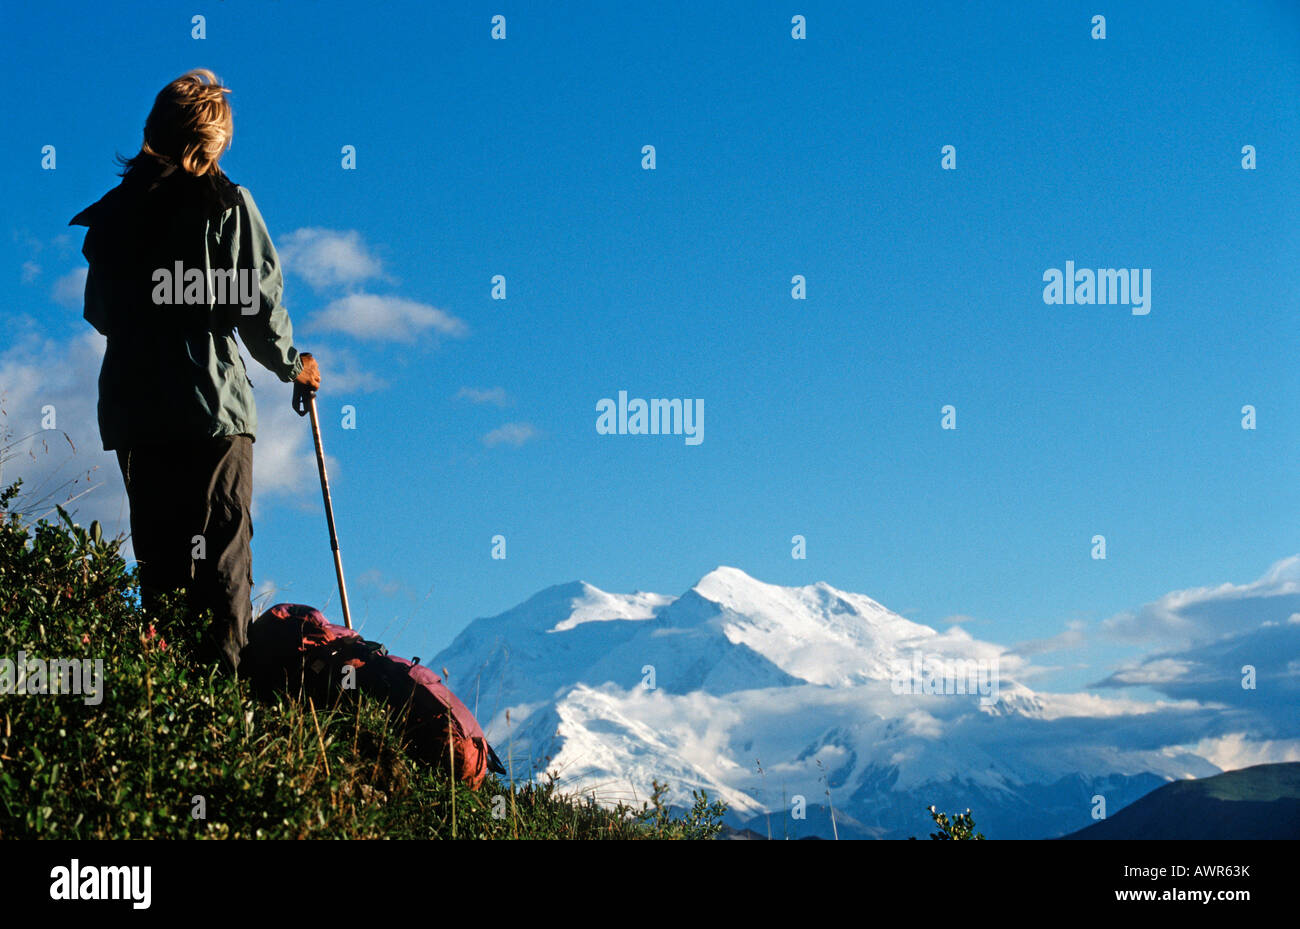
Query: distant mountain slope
1261, 802
770, 697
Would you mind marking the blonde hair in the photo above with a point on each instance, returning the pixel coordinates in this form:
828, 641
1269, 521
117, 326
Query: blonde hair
190, 125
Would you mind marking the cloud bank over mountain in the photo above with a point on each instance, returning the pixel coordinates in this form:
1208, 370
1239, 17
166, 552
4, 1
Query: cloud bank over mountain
760, 693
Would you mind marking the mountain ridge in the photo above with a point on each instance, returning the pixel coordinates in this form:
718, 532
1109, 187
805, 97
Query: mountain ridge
753, 691
1258, 802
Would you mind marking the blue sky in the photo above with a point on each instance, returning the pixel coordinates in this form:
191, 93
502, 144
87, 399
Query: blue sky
775, 157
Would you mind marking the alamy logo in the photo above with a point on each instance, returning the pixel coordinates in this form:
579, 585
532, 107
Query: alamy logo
87, 882
651, 417
936, 675
34, 676
1122, 286
216, 287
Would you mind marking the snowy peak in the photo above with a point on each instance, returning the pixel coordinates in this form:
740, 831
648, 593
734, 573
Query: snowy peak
729, 633
542, 610
593, 605
798, 608
563, 607
726, 586
814, 633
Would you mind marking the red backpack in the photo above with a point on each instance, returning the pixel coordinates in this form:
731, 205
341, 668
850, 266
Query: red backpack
293, 648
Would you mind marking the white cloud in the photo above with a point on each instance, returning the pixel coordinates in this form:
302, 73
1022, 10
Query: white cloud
1071, 637
1058, 706
70, 289
1238, 750
31, 271
341, 372
1186, 616
493, 395
515, 434
284, 456
38, 373
328, 258
1157, 671
956, 619
382, 584
265, 594
392, 319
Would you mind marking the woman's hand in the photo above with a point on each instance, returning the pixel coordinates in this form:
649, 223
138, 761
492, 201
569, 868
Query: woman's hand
309, 376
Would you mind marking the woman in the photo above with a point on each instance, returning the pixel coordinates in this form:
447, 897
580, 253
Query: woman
181, 260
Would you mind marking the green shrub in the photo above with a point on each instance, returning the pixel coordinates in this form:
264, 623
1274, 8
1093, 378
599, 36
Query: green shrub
960, 827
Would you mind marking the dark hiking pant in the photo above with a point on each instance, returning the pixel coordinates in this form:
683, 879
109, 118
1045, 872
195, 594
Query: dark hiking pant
191, 529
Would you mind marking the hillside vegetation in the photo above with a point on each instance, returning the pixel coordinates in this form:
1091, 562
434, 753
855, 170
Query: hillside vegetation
1259, 802
172, 749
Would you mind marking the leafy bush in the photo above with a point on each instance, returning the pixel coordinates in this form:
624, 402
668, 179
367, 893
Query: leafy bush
702, 821
961, 826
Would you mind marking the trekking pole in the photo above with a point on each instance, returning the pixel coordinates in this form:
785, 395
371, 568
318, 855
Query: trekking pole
304, 402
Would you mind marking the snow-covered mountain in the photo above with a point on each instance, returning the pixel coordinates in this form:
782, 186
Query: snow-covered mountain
762, 694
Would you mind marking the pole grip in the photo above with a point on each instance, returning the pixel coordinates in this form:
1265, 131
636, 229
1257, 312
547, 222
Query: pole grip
302, 398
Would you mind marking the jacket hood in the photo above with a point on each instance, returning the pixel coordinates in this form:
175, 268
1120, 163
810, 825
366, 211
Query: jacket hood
145, 195
151, 181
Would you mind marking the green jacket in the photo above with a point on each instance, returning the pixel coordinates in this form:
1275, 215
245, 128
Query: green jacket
172, 370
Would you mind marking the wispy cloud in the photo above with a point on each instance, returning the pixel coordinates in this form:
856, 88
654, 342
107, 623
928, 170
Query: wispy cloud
515, 434
342, 371
284, 459
265, 594
59, 375
382, 584
494, 395
1239, 750
956, 619
1183, 617
1071, 637
1150, 673
386, 319
1254, 671
70, 289
328, 258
